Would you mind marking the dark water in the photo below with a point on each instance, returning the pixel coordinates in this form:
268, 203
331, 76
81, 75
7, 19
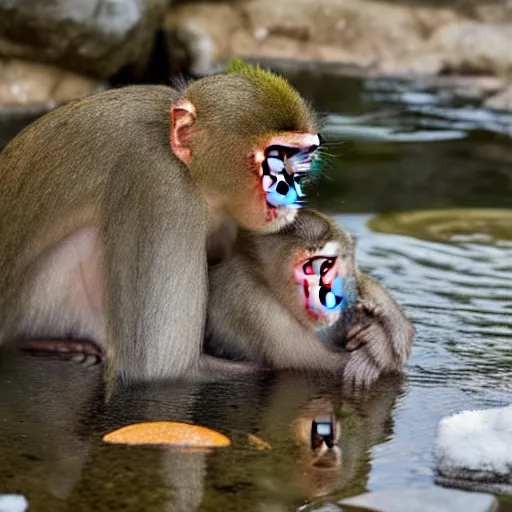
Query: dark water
449, 264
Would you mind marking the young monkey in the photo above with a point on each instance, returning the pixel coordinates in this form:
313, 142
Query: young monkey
296, 299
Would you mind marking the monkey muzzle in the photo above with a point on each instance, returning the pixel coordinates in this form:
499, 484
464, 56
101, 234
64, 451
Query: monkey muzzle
322, 285
283, 168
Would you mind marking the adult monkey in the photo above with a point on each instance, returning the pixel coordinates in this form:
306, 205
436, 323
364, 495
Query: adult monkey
295, 299
107, 204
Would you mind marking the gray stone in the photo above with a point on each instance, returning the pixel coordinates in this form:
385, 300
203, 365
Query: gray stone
92, 37
428, 499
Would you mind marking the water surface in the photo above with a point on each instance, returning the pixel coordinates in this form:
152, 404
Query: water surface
450, 265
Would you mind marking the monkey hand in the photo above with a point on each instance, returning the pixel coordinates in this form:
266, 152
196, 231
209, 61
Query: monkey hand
366, 313
377, 346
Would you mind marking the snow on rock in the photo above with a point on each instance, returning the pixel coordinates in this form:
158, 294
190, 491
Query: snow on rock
474, 450
13, 503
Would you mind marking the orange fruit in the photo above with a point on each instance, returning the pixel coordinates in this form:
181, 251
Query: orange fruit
167, 432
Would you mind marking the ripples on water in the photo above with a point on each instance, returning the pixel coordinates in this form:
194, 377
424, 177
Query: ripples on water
460, 299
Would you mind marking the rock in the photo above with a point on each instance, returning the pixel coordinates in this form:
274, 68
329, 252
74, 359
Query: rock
26, 83
13, 503
474, 450
500, 101
423, 39
96, 38
429, 499
474, 47
29, 89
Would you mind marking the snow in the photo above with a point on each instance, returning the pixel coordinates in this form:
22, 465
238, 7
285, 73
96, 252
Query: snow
476, 445
13, 503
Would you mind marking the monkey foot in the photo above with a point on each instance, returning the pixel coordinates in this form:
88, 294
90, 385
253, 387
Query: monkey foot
83, 352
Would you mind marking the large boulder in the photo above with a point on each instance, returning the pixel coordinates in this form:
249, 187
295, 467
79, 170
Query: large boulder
96, 38
376, 36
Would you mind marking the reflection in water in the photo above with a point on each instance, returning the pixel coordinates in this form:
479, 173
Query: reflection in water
488, 226
55, 415
459, 297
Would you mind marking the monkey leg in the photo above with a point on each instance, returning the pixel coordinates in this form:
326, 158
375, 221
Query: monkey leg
82, 352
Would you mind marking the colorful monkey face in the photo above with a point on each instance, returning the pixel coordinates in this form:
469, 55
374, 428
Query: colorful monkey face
322, 284
283, 169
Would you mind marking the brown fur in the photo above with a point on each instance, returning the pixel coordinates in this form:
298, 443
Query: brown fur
256, 314
104, 230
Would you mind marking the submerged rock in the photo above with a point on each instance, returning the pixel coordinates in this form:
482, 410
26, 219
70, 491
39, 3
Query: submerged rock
430, 499
474, 450
92, 37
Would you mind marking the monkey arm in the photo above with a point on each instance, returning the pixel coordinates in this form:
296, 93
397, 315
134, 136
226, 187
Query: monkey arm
155, 265
380, 335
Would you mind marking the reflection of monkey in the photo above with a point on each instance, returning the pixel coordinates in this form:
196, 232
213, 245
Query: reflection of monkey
282, 293
104, 229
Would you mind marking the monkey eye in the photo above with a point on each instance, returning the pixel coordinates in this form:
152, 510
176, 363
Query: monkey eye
318, 265
308, 268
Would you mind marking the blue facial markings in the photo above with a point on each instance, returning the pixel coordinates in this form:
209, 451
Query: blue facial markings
331, 299
330, 289
283, 167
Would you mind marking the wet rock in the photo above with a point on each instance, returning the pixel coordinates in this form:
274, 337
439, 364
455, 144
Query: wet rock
29, 89
501, 101
431, 499
92, 37
474, 47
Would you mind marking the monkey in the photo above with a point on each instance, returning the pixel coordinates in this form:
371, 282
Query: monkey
111, 205
296, 299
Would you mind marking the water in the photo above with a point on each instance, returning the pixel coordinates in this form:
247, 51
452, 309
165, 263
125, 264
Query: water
450, 265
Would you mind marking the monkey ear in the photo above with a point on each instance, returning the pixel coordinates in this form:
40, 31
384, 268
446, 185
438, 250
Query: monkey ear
183, 116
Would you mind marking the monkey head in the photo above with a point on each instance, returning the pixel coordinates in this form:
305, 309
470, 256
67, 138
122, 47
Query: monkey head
249, 140
309, 265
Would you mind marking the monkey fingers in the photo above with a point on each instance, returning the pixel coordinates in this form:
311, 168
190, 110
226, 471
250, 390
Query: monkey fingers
354, 337
367, 306
83, 352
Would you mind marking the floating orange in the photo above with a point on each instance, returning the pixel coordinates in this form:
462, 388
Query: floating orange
167, 432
